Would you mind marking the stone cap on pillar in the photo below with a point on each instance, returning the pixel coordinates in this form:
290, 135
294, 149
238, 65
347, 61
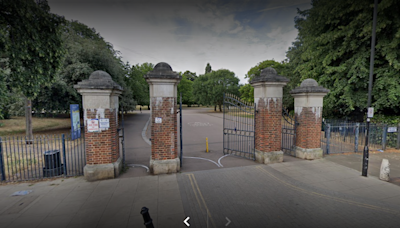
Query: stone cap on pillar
309, 86
99, 80
162, 71
269, 74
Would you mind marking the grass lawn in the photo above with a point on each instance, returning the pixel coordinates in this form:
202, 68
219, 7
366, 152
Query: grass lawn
16, 125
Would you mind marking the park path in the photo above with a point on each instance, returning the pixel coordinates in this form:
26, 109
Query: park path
197, 124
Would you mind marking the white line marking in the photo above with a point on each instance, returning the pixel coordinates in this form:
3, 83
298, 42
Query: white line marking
144, 133
203, 159
139, 165
219, 160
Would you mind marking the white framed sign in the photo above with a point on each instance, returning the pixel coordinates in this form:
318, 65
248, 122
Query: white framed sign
392, 129
158, 120
370, 112
93, 125
104, 123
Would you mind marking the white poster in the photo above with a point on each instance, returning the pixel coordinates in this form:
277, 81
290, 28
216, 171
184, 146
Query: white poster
93, 125
104, 123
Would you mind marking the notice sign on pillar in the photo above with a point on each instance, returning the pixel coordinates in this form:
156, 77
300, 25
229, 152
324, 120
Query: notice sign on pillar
93, 125
158, 120
104, 123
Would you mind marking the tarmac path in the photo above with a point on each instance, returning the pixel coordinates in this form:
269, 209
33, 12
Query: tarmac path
263, 196
211, 190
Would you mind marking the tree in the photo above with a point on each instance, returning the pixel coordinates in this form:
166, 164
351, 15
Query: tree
202, 90
282, 68
333, 47
138, 84
247, 93
256, 70
86, 51
208, 89
190, 75
208, 68
185, 87
32, 43
4, 96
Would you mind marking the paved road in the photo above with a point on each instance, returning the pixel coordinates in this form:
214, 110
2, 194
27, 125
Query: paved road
293, 194
354, 161
197, 124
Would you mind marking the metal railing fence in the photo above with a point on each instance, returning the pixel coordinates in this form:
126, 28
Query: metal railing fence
347, 137
42, 157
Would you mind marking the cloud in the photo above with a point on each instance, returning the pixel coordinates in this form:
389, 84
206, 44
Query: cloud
234, 35
283, 4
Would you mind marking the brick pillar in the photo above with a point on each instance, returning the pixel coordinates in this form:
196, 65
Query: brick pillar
308, 101
268, 90
100, 102
164, 131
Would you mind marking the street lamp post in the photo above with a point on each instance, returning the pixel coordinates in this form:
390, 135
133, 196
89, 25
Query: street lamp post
371, 73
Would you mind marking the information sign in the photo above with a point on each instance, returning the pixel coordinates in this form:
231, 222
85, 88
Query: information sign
93, 125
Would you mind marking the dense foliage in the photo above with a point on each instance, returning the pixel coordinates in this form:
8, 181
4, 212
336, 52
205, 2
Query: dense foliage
185, 87
208, 89
30, 39
283, 69
86, 51
333, 47
138, 84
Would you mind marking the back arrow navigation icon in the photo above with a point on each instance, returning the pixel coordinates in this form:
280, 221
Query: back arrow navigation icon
186, 221
229, 221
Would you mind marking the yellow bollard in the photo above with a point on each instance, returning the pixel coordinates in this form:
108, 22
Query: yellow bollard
206, 144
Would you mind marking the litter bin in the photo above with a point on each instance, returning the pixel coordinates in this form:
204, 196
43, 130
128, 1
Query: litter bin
52, 162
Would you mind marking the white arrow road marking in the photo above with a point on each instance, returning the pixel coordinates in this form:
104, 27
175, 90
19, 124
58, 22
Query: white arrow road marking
229, 221
219, 160
139, 165
186, 221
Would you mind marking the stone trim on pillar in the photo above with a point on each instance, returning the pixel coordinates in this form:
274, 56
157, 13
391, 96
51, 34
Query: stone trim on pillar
164, 129
308, 103
100, 101
268, 92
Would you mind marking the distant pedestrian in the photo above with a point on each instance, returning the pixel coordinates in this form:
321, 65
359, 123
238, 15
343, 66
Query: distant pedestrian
140, 109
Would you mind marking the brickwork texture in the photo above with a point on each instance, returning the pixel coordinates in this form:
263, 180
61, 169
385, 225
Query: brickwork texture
309, 129
102, 147
164, 137
268, 132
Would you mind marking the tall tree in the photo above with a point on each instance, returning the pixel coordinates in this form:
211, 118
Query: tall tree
86, 51
32, 42
282, 68
138, 84
208, 68
185, 87
208, 89
333, 47
190, 75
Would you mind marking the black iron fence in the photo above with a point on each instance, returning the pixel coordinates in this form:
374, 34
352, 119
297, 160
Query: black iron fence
43, 157
346, 137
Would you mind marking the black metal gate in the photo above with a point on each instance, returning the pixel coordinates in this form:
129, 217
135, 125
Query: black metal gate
288, 133
121, 133
239, 126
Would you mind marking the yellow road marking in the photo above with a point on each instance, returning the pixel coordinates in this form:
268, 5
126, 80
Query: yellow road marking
197, 191
329, 197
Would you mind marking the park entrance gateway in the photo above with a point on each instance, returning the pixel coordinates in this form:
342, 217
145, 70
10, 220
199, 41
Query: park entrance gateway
239, 125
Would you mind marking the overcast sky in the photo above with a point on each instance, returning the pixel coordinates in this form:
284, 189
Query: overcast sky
187, 34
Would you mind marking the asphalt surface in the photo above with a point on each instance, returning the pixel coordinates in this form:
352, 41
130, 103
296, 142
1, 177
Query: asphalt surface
210, 191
